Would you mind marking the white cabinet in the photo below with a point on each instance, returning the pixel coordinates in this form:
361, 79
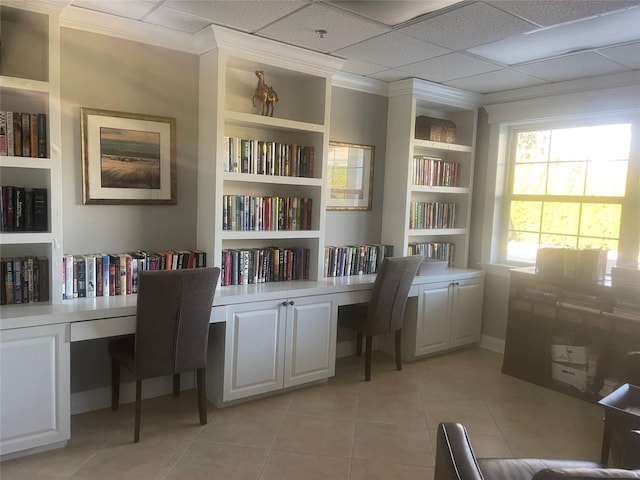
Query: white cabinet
35, 398
441, 230
30, 84
270, 345
445, 315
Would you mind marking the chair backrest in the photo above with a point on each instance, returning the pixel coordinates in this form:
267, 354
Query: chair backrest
172, 320
390, 291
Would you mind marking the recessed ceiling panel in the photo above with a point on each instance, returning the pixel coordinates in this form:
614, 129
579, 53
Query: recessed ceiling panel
247, 16
627, 55
572, 66
449, 67
391, 75
358, 67
468, 26
392, 13
342, 29
392, 49
134, 9
184, 22
499, 80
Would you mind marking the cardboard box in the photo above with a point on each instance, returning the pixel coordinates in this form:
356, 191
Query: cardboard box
570, 354
435, 129
571, 375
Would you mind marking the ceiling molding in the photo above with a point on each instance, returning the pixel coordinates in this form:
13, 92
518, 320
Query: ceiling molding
361, 84
582, 85
110, 25
435, 92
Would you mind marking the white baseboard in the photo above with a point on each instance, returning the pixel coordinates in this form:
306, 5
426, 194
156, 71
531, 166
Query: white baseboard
100, 398
494, 344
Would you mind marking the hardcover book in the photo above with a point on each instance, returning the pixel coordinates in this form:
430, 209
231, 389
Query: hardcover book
40, 210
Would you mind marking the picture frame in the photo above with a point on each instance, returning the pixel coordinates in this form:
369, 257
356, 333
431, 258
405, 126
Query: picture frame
350, 176
127, 158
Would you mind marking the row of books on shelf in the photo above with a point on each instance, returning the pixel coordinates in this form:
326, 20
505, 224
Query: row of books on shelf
24, 280
110, 274
444, 251
265, 157
433, 171
262, 265
246, 212
24, 209
23, 134
432, 215
343, 261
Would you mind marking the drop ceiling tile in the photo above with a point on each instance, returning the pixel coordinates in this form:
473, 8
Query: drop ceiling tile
391, 13
467, 26
133, 9
247, 16
343, 29
392, 49
582, 65
551, 12
497, 81
358, 67
184, 22
627, 55
449, 67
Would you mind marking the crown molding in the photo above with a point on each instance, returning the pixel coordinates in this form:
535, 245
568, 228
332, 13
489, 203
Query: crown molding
435, 92
97, 22
361, 84
625, 79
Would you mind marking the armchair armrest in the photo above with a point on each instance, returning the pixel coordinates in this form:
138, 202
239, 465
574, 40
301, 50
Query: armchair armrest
578, 473
455, 459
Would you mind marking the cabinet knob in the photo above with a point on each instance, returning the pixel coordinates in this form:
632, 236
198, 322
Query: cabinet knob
291, 302
284, 304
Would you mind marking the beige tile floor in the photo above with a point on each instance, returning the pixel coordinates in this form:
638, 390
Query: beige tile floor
342, 429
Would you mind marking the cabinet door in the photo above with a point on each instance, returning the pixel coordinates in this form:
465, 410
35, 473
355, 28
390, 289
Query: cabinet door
466, 312
311, 340
35, 393
254, 349
433, 331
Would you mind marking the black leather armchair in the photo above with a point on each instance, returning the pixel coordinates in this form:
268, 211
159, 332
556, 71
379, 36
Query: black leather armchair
455, 460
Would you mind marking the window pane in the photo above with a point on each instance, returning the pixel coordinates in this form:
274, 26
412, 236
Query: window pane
569, 144
533, 146
600, 220
566, 178
610, 142
550, 240
522, 247
602, 243
560, 218
607, 178
529, 179
525, 216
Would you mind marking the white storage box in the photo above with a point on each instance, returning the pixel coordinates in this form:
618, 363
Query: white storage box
430, 266
570, 354
575, 376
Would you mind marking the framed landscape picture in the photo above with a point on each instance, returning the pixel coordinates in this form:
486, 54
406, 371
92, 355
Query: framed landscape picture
127, 158
350, 175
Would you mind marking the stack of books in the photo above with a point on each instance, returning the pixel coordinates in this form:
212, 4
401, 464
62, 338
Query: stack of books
261, 265
23, 134
344, 261
24, 209
24, 280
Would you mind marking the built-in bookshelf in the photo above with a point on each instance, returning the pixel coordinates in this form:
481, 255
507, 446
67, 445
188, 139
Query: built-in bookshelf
30, 107
261, 178
430, 215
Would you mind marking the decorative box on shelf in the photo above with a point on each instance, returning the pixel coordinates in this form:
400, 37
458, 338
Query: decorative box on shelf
435, 129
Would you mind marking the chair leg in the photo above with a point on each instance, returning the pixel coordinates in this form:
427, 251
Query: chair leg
398, 349
358, 344
115, 384
176, 385
367, 358
136, 433
201, 386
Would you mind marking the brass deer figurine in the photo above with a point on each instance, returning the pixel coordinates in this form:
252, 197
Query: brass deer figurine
265, 95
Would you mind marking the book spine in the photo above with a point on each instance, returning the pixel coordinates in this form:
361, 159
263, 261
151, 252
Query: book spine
81, 267
40, 210
43, 279
17, 134
3, 133
99, 276
90, 267
26, 134
17, 281
10, 134
42, 135
18, 209
106, 277
33, 128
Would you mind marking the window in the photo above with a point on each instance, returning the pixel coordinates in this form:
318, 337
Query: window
567, 187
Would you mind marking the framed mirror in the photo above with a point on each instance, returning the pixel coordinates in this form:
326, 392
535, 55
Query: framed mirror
350, 176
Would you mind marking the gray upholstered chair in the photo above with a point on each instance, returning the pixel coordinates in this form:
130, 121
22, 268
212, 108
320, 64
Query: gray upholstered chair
385, 311
172, 330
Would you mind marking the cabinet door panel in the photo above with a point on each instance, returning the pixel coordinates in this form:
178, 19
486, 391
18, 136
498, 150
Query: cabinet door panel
35, 397
466, 313
311, 341
255, 342
434, 329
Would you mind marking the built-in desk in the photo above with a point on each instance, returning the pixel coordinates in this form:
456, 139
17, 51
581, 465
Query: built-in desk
263, 338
